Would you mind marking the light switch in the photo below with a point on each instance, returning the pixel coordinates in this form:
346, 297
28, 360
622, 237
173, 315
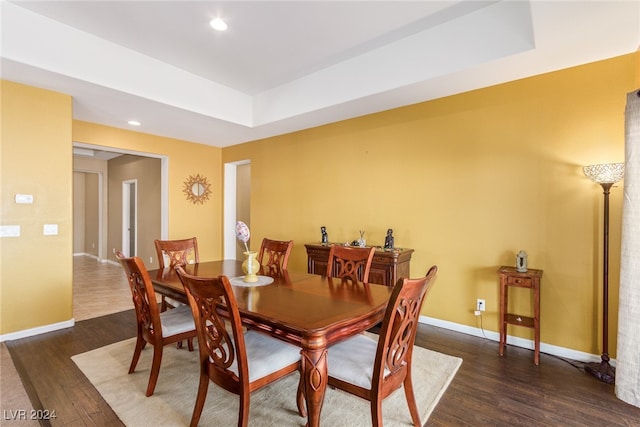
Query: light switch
9, 231
24, 199
50, 229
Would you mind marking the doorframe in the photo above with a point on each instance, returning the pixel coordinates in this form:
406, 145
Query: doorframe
164, 193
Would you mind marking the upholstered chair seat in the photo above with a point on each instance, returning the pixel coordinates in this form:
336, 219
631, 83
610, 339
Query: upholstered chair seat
266, 355
352, 361
177, 321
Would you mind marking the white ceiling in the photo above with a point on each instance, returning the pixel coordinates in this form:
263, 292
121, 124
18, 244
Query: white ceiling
289, 65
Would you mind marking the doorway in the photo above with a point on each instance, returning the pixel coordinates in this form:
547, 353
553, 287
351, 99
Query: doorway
91, 158
130, 217
237, 204
106, 220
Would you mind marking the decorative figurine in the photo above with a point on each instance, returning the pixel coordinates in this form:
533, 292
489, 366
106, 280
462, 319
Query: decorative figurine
325, 238
362, 242
521, 262
388, 240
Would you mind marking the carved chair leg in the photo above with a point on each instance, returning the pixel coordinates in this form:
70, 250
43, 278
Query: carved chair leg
140, 344
155, 368
411, 400
243, 413
202, 395
376, 412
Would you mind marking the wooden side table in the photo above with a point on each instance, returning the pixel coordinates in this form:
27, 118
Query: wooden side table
509, 276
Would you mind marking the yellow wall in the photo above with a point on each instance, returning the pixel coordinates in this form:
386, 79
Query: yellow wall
467, 181
36, 158
36, 270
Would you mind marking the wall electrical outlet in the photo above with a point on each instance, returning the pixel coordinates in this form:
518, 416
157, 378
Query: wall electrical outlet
480, 305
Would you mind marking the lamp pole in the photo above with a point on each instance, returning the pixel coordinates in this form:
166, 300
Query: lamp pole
606, 175
603, 370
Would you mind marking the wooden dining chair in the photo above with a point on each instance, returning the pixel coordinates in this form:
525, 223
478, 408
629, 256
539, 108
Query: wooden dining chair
238, 362
373, 369
177, 252
274, 255
352, 263
154, 327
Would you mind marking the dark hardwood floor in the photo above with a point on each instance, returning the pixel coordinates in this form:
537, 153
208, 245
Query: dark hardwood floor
51, 378
488, 390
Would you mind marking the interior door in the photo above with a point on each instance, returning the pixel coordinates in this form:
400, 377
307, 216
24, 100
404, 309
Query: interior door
129, 217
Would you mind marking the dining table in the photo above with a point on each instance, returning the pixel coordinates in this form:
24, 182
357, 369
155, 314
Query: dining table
310, 311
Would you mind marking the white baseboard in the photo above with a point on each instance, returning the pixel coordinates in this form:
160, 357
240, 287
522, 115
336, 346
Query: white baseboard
102, 261
554, 350
37, 331
85, 254
565, 353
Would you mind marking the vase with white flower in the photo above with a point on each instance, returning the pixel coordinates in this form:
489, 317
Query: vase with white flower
250, 265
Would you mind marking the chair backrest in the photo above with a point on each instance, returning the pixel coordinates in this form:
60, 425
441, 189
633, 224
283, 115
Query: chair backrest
218, 349
144, 296
274, 254
398, 332
179, 252
351, 263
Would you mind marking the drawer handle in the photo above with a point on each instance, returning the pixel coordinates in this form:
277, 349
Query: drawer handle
518, 280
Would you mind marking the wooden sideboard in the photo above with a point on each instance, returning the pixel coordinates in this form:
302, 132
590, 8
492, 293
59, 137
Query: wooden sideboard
386, 268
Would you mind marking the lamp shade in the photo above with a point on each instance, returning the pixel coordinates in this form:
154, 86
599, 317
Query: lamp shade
604, 173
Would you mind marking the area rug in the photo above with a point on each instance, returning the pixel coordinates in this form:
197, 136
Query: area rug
275, 405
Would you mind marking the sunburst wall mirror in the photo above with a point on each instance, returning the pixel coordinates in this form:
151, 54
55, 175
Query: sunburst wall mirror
197, 189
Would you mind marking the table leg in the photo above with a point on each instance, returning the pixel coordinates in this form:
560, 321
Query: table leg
503, 315
314, 382
536, 322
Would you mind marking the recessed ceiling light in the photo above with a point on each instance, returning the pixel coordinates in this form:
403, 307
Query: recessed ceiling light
134, 122
218, 24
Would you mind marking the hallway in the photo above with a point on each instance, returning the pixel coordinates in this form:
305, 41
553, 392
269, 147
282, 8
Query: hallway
98, 289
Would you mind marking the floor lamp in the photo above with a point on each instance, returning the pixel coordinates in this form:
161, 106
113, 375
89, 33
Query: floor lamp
606, 175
